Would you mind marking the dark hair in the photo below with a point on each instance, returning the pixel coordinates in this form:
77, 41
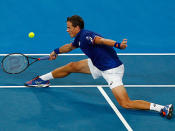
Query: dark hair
76, 21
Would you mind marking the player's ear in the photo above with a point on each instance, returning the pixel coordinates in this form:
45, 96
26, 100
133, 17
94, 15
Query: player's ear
77, 27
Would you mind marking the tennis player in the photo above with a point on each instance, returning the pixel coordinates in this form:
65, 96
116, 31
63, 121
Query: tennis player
102, 61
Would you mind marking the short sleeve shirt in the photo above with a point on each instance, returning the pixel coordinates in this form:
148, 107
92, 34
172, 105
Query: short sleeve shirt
102, 56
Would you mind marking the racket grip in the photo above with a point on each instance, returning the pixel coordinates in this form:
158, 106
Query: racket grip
44, 58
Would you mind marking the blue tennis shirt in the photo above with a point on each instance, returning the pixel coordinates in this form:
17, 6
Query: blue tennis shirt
102, 56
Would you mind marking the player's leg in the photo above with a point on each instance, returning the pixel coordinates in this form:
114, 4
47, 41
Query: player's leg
114, 79
73, 67
121, 96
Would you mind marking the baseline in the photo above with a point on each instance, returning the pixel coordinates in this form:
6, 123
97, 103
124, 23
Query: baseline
58, 86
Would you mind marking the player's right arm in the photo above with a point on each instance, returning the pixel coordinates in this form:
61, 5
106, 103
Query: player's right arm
109, 42
63, 49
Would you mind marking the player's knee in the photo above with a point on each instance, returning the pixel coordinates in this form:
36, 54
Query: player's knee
74, 66
125, 104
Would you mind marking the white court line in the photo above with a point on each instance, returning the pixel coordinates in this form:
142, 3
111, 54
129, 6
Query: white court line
80, 54
149, 85
87, 86
114, 108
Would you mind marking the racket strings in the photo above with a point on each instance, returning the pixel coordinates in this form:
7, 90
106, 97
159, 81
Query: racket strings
15, 63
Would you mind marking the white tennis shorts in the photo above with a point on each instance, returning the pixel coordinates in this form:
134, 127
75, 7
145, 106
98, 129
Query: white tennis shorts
112, 76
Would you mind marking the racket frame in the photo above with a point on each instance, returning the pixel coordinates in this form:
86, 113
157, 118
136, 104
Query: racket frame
27, 58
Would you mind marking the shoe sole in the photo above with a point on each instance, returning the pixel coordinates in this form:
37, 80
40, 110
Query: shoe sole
42, 85
170, 114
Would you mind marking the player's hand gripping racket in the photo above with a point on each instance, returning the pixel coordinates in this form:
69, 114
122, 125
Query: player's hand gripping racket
16, 63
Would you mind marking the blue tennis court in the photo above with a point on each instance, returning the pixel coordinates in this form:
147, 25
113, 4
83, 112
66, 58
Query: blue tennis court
76, 103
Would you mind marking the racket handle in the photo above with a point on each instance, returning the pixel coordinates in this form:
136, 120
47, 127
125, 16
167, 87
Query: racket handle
44, 58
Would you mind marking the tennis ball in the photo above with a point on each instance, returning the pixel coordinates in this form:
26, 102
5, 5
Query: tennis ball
31, 35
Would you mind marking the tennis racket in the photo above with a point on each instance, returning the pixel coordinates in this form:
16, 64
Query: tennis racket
16, 63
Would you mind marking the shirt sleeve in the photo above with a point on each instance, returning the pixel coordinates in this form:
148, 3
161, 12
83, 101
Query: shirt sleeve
90, 37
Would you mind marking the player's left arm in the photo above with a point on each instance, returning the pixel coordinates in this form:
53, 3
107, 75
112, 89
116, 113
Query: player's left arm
109, 42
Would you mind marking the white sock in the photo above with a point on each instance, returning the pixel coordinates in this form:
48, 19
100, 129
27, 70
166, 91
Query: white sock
47, 76
156, 107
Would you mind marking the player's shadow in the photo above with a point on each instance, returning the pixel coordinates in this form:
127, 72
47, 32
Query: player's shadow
53, 110
64, 109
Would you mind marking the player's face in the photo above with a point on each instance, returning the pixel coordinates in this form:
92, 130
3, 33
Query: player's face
72, 30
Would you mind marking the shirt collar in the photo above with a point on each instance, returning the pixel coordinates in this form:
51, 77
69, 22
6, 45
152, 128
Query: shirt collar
79, 33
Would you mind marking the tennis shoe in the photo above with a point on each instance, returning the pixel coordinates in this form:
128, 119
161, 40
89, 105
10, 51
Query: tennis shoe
167, 111
37, 82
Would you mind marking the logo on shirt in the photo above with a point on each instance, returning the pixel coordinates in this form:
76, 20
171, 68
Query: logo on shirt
89, 39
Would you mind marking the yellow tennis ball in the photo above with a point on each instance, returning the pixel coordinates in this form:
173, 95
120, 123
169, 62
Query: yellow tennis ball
31, 35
